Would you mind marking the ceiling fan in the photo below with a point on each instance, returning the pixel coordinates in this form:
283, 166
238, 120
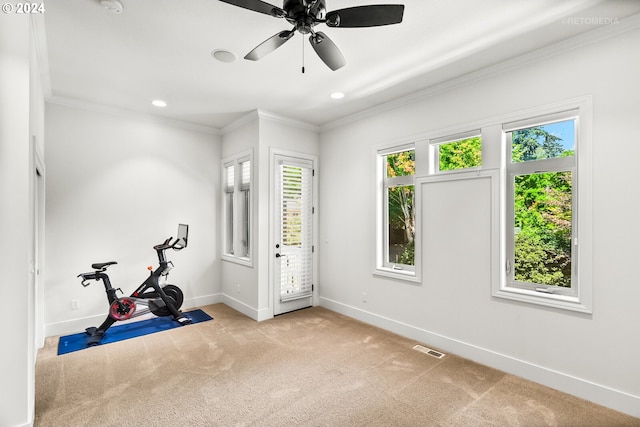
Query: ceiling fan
305, 14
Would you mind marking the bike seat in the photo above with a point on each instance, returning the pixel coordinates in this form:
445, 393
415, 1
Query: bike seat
102, 265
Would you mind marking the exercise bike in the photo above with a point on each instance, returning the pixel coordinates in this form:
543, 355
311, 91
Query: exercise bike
161, 300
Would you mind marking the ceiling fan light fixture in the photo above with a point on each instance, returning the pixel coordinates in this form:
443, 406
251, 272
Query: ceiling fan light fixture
224, 55
113, 6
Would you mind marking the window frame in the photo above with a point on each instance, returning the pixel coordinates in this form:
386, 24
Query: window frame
240, 204
579, 296
382, 266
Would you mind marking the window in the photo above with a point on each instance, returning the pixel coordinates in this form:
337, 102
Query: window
237, 209
229, 190
541, 206
457, 152
244, 204
396, 216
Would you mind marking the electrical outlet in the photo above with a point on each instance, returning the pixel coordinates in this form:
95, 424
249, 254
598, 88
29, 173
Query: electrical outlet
238, 287
364, 297
75, 304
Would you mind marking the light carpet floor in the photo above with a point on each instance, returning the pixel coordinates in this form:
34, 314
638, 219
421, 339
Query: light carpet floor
312, 367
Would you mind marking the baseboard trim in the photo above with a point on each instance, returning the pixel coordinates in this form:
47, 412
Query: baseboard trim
72, 326
256, 314
238, 305
202, 301
599, 394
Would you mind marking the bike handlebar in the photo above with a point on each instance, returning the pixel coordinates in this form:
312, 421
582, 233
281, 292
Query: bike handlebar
179, 243
86, 277
167, 244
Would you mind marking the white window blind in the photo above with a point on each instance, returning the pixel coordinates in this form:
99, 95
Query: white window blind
245, 175
230, 179
296, 232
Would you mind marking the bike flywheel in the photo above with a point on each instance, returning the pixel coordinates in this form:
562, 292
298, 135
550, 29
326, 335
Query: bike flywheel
122, 309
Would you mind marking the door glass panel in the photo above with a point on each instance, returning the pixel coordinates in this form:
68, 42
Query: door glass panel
296, 232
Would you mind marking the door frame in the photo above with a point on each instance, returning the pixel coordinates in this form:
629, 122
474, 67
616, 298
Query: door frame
273, 215
37, 206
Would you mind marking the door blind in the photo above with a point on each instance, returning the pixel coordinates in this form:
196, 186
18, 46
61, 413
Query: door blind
296, 232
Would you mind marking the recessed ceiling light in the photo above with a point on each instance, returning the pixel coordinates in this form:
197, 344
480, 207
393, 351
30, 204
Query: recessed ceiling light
337, 95
159, 103
224, 55
113, 6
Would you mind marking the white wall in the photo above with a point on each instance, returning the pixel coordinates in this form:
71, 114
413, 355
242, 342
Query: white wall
239, 283
117, 184
248, 288
20, 123
592, 356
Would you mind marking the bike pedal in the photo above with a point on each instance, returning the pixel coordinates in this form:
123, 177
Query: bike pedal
184, 320
96, 336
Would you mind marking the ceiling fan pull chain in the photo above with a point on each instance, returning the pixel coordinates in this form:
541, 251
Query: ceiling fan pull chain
303, 55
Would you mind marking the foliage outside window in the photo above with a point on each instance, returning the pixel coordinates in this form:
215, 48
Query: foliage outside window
237, 209
460, 154
400, 210
541, 198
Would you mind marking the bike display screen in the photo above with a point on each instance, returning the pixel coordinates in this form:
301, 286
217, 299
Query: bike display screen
183, 234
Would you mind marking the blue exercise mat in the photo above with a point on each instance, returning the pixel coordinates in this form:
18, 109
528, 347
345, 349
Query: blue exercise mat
75, 342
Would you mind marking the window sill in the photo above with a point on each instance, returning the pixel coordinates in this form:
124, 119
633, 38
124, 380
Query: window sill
408, 276
247, 262
564, 302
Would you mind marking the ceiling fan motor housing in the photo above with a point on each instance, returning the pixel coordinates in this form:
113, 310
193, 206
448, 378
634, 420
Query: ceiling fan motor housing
304, 13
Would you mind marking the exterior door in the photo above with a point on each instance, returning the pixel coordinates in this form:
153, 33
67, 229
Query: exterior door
293, 246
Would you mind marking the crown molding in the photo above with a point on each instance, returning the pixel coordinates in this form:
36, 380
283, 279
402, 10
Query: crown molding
102, 109
246, 118
267, 115
594, 36
260, 115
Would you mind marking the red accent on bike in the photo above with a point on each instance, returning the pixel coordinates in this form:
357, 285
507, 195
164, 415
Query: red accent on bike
150, 268
129, 308
135, 294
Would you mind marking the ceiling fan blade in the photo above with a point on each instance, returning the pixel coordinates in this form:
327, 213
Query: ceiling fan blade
258, 6
269, 45
327, 50
366, 16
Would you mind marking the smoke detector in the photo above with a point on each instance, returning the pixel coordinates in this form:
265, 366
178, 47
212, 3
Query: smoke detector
113, 6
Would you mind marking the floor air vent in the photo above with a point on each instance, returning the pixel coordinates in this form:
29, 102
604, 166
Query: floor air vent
428, 351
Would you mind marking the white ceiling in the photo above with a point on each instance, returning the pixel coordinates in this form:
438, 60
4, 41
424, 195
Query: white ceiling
162, 49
